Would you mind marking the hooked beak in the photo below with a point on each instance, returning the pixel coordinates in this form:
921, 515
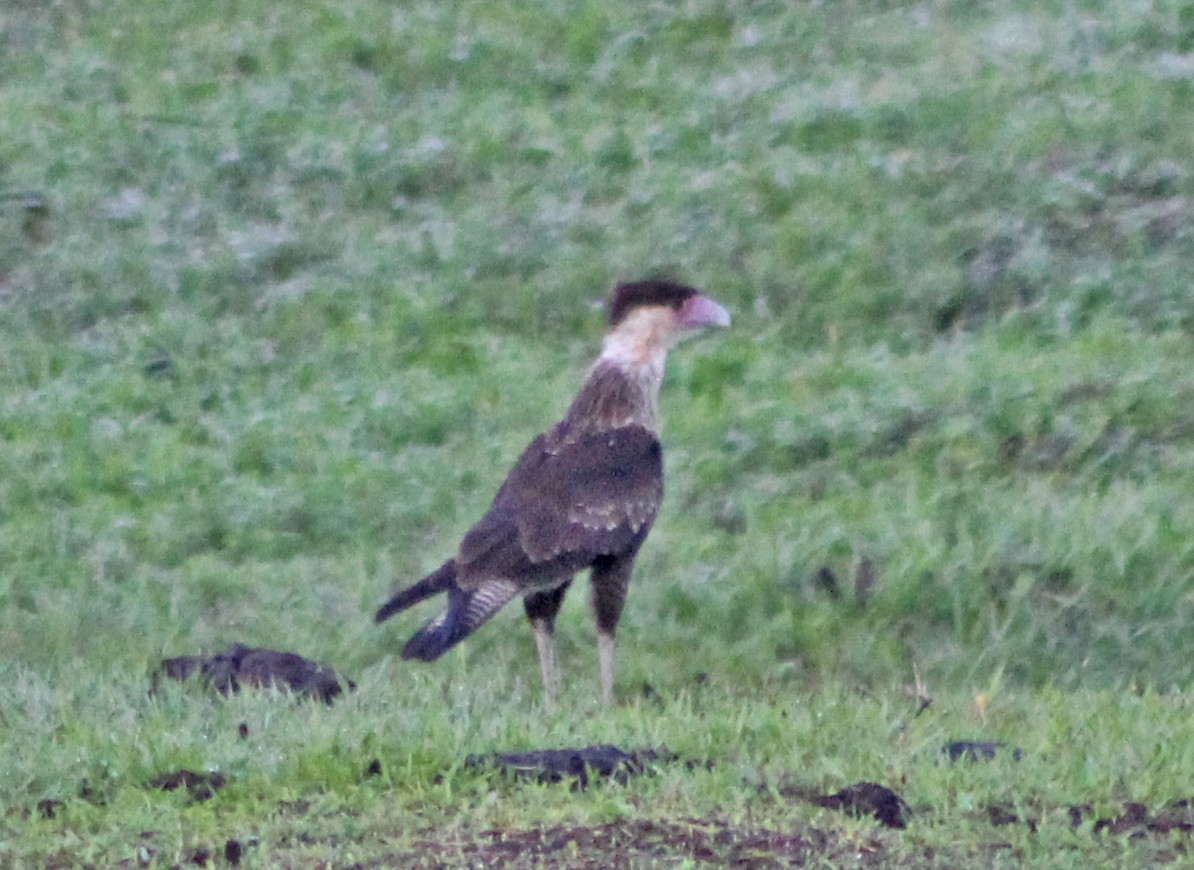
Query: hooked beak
700, 311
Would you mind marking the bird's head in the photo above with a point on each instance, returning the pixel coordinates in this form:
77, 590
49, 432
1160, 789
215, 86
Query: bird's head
652, 315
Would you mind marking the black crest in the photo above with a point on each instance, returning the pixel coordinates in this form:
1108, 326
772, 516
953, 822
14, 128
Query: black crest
652, 291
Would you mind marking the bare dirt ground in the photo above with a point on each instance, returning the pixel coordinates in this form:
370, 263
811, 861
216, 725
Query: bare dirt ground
631, 844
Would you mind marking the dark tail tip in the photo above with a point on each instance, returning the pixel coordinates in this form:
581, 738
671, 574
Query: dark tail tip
442, 633
439, 580
431, 641
388, 609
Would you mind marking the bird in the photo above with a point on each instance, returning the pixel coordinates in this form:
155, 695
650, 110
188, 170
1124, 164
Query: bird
583, 494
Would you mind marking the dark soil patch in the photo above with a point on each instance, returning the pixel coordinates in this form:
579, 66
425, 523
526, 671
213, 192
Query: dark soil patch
241, 665
634, 843
200, 786
1134, 820
978, 750
859, 800
579, 765
637, 843
48, 808
868, 799
232, 852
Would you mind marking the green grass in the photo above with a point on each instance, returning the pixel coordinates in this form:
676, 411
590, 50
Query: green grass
283, 292
299, 790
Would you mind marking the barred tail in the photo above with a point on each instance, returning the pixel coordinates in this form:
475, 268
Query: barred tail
467, 609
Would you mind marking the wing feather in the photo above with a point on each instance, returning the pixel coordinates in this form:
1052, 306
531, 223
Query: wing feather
570, 499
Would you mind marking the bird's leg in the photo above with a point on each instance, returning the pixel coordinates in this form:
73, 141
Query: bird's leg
605, 653
541, 608
545, 642
607, 594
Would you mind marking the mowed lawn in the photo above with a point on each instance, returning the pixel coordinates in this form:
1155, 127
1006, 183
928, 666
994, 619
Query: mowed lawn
285, 289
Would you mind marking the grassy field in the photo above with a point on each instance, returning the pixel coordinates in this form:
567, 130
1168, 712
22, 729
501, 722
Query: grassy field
284, 289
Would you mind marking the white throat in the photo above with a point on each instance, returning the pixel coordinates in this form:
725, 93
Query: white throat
641, 341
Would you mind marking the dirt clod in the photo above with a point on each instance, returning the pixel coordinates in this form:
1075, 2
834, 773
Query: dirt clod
1137, 821
48, 808
869, 799
554, 765
977, 750
200, 786
241, 665
860, 799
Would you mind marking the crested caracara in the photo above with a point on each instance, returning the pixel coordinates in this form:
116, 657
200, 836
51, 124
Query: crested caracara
582, 495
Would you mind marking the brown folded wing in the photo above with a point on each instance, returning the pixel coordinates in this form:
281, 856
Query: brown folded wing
571, 499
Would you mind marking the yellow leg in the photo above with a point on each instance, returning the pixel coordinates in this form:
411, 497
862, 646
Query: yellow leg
545, 642
605, 652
